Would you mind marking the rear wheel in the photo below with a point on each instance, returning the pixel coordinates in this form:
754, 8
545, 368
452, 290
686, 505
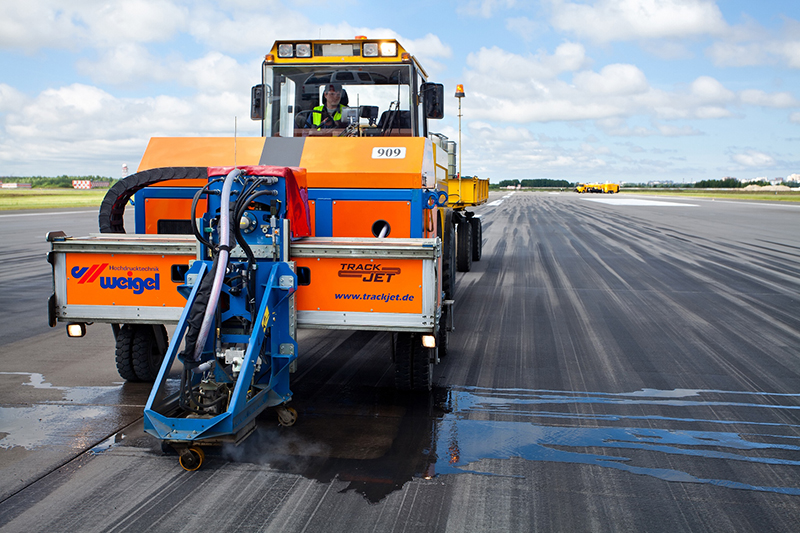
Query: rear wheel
413, 364
477, 238
464, 247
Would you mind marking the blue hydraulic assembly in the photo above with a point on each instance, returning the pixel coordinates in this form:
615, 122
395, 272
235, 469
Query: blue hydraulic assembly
238, 327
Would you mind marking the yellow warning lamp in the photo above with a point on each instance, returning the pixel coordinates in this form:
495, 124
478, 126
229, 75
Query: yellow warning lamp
460, 91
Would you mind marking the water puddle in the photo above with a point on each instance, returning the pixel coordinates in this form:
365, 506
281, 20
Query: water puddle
71, 421
615, 431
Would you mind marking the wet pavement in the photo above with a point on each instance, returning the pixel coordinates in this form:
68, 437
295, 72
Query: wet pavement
611, 370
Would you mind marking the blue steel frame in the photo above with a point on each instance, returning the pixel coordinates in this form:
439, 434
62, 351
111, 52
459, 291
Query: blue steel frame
271, 323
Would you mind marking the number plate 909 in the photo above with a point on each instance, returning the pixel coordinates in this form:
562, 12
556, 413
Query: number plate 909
389, 152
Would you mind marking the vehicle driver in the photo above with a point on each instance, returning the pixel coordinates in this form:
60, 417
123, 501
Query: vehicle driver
329, 114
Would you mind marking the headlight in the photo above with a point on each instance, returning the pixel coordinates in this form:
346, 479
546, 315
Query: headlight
389, 49
303, 50
285, 50
370, 49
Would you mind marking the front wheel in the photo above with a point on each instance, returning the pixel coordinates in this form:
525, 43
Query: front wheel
146, 355
122, 353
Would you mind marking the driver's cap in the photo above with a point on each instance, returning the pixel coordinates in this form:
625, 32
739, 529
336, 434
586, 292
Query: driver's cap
337, 87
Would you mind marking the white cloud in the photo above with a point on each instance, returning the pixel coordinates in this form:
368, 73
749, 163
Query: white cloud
140, 21
728, 54
35, 24
125, 64
10, 98
509, 67
614, 79
514, 88
753, 159
622, 20
753, 45
85, 130
763, 99
519, 154
707, 89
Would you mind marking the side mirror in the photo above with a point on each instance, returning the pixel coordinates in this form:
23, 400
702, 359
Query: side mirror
433, 99
257, 102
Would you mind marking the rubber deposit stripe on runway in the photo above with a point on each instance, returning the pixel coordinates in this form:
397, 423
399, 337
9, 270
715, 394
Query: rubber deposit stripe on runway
637, 202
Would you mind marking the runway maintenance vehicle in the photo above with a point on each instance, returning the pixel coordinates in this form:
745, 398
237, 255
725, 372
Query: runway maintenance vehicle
607, 188
240, 241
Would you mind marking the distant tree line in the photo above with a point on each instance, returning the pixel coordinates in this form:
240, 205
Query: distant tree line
60, 182
727, 183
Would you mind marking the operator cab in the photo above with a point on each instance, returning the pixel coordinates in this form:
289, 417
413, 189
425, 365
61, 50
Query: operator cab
384, 89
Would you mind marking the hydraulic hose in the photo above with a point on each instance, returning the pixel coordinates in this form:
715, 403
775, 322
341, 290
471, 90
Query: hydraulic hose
222, 266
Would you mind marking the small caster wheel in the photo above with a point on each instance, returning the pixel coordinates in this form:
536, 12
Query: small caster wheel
191, 458
287, 416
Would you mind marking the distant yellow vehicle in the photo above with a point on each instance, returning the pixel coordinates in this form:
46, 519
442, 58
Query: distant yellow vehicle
609, 188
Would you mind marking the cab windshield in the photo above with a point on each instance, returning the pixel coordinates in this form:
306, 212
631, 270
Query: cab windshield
376, 100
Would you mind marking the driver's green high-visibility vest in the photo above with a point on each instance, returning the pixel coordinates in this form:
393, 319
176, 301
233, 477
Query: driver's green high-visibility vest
316, 116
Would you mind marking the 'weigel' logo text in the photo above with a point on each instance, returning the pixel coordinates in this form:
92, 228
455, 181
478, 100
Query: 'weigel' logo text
137, 285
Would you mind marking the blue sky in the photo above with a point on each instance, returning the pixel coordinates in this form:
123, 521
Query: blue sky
617, 90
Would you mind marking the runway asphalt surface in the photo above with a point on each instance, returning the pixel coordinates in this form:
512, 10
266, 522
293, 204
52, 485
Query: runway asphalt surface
620, 363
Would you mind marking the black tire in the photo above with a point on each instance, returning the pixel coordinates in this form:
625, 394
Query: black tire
464, 247
413, 365
448, 236
123, 351
477, 238
422, 367
402, 361
145, 354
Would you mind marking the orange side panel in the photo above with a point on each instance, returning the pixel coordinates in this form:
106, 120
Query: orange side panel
354, 218
156, 209
123, 279
348, 163
200, 152
361, 285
